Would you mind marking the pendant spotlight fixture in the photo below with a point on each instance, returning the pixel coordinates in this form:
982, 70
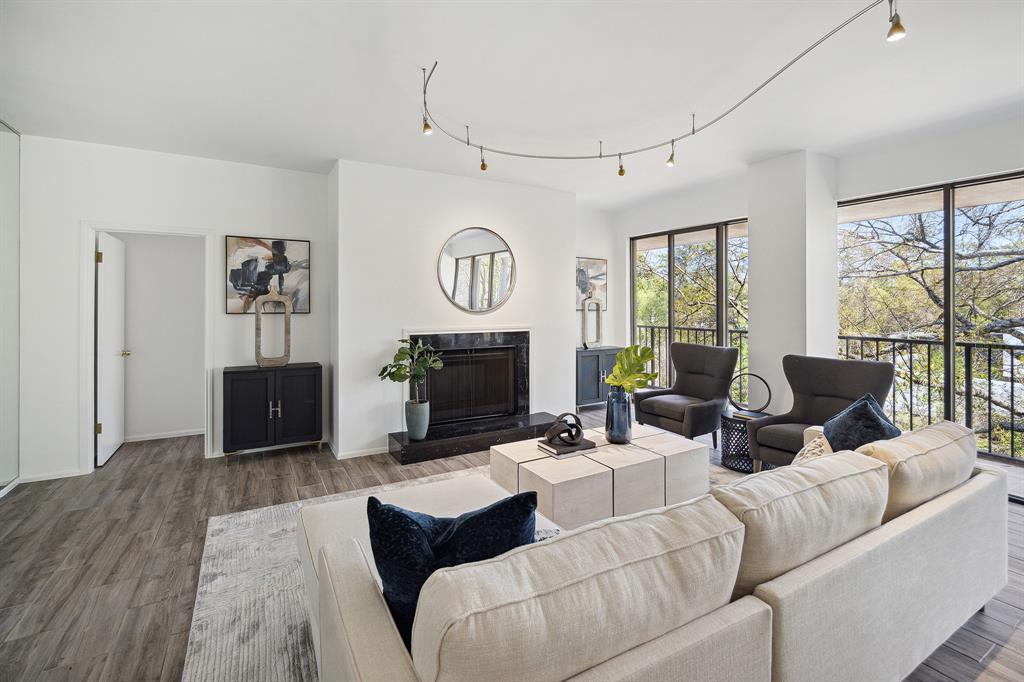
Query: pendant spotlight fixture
896, 32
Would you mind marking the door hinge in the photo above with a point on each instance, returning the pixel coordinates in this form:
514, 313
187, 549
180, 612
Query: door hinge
99, 428
99, 256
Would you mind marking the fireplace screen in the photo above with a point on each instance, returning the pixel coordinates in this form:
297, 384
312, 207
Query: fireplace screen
474, 383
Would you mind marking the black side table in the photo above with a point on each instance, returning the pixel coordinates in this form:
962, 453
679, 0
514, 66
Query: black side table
735, 449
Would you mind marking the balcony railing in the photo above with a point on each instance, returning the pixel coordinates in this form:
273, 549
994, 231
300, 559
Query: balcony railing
988, 380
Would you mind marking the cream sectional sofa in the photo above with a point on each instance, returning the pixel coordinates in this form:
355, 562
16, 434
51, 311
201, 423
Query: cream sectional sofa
789, 575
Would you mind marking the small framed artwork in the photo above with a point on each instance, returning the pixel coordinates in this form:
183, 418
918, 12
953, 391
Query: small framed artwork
254, 266
592, 278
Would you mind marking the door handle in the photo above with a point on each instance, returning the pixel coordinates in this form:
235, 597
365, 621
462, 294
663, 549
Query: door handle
270, 406
125, 353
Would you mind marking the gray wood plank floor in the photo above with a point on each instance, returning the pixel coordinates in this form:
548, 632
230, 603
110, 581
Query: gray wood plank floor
98, 573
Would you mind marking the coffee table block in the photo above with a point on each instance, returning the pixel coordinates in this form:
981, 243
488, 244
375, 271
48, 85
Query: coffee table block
638, 430
506, 458
638, 477
570, 492
686, 465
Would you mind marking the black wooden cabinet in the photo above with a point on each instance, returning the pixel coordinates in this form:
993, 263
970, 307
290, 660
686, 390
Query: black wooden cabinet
266, 406
592, 366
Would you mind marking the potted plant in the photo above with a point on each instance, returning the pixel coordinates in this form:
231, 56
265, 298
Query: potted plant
627, 376
411, 363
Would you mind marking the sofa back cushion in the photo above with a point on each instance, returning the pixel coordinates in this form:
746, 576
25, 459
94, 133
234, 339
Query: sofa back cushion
924, 463
552, 610
795, 514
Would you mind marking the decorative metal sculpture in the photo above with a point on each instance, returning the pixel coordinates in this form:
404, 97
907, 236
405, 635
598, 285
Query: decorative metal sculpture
567, 430
279, 360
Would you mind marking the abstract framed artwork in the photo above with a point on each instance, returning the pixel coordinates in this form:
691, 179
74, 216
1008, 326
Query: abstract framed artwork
592, 278
254, 266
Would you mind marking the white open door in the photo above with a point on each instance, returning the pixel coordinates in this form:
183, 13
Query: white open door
110, 350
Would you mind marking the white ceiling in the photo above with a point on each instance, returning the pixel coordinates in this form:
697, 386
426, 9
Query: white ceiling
298, 84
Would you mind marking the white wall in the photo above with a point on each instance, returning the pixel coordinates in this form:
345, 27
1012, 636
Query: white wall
934, 156
392, 224
165, 380
596, 238
65, 183
792, 272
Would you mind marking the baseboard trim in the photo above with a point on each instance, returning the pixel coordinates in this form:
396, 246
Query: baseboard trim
49, 477
362, 453
9, 487
166, 434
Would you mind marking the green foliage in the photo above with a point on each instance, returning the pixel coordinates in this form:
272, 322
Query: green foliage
630, 363
411, 363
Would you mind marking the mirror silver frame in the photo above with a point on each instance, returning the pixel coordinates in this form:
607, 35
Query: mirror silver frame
512, 279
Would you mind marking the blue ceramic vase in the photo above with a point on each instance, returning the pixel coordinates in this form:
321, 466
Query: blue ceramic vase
618, 422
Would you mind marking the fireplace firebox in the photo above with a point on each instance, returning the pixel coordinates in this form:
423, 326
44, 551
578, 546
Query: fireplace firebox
480, 398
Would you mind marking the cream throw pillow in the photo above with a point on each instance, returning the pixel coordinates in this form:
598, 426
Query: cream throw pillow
818, 447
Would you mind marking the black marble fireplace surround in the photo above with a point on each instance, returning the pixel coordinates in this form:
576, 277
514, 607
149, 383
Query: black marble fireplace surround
480, 399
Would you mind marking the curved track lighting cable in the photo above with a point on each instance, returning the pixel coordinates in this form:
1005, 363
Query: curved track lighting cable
694, 128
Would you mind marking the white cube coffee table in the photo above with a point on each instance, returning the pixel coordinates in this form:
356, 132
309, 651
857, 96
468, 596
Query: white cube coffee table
638, 477
657, 468
571, 492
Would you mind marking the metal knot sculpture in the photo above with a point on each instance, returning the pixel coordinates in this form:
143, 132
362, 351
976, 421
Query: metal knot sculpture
567, 430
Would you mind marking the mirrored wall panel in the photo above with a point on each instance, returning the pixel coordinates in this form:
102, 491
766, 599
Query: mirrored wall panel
10, 172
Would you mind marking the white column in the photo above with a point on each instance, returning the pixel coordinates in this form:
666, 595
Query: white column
793, 271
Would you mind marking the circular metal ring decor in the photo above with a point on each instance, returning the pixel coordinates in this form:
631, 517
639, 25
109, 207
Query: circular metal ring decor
747, 408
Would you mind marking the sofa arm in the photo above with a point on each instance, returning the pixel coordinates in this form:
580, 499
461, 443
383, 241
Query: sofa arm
812, 432
644, 393
358, 638
701, 418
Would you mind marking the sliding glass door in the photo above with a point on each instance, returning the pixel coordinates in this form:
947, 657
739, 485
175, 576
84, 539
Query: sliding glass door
690, 286
933, 281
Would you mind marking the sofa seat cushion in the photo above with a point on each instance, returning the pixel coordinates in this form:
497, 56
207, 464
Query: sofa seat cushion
924, 463
671, 406
795, 514
552, 610
789, 437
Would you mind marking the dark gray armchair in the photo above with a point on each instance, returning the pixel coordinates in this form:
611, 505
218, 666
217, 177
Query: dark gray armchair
694, 404
822, 388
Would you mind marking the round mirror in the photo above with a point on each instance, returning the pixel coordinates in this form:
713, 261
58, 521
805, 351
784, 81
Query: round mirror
476, 270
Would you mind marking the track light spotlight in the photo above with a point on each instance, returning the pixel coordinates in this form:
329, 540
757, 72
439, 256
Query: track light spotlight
427, 130
672, 157
896, 29
483, 164
622, 171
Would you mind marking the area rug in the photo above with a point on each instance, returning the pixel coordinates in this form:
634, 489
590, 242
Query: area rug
250, 622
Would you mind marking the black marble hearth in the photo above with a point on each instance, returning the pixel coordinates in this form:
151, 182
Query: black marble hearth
460, 438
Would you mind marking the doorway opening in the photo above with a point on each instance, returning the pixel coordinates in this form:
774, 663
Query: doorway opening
149, 339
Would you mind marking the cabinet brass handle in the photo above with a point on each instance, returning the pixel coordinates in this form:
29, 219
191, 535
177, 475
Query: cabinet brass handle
279, 413
270, 405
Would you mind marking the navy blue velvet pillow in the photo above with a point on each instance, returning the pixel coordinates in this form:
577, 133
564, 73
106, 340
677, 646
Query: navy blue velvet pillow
408, 546
862, 422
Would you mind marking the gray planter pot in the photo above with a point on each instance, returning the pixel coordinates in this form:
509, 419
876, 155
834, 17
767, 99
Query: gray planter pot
417, 418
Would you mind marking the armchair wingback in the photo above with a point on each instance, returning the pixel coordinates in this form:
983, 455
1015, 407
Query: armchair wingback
694, 404
822, 387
